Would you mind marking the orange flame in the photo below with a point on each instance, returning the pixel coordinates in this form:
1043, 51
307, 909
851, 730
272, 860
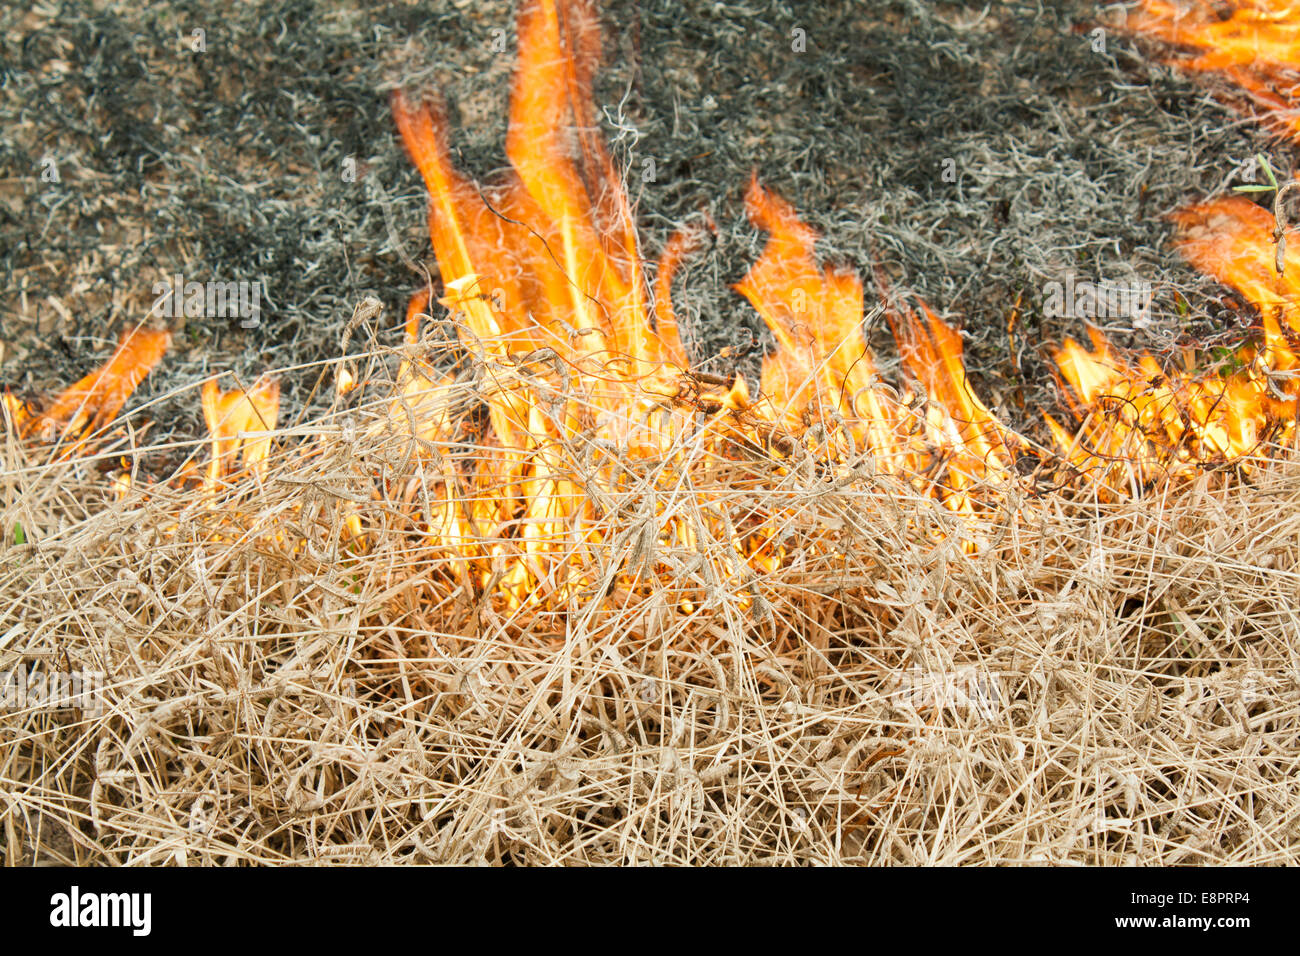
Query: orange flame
1140, 421
590, 399
822, 369
84, 409
1253, 43
543, 271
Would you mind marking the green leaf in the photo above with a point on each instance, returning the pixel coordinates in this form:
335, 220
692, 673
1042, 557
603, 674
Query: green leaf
19, 537
1256, 188
1268, 170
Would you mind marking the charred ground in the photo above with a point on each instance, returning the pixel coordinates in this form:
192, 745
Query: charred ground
236, 162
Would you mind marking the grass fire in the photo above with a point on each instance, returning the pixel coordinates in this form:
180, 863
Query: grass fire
528, 576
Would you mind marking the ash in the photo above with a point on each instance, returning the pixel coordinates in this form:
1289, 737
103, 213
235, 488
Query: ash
972, 154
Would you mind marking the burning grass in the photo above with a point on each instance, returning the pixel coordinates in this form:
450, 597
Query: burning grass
1103, 682
535, 590
1254, 44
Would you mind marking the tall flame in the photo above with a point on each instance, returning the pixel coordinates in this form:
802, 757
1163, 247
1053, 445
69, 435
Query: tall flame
543, 270
823, 371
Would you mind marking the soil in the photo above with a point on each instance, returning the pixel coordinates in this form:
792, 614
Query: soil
973, 153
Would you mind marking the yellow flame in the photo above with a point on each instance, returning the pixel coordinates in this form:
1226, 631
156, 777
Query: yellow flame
240, 423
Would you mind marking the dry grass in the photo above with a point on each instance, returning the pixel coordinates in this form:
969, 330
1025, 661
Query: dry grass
1102, 683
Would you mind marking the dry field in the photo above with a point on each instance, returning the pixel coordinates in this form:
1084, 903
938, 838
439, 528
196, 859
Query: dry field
1101, 683
566, 569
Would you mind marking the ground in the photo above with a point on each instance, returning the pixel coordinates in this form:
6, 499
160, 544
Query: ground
1068, 679
262, 148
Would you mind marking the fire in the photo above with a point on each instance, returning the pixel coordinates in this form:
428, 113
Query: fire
544, 276
1141, 423
1140, 420
86, 408
230, 416
590, 408
822, 370
543, 271
1253, 43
